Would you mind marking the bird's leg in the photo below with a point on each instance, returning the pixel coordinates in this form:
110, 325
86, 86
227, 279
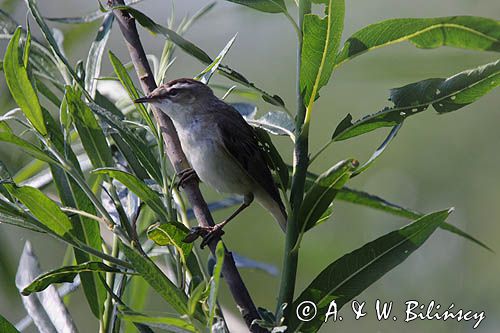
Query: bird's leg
208, 233
186, 175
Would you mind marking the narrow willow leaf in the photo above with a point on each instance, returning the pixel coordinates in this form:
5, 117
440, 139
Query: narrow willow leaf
136, 295
26, 147
170, 324
392, 134
196, 296
321, 194
6, 326
467, 32
137, 145
65, 274
134, 184
171, 233
350, 275
376, 202
128, 84
45, 91
207, 73
20, 86
321, 40
85, 229
276, 123
89, 130
94, 58
157, 280
444, 95
19, 219
46, 308
44, 209
268, 6
220, 252
198, 53
244, 262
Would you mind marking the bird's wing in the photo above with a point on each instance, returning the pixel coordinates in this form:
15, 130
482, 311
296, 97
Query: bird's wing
241, 142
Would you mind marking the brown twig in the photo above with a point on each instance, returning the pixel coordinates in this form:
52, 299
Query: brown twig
179, 162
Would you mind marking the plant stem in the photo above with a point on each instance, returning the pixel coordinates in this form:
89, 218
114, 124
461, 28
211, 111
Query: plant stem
291, 255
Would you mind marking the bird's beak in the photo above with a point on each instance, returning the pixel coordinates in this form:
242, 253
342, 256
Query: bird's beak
144, 99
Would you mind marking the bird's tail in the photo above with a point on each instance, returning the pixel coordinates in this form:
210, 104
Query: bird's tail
277, 209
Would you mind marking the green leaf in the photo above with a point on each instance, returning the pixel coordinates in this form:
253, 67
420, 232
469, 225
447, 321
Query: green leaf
91, 135
20, 86
268, 6
276, 123
273, 157
65, 274
44, 209
171, 324
468, 32
321, 194
220, 252
6, 326
350, 275
128, 84
157, 280
171, 233
207, 73
392, 134
85, 229
444, 95
19, 219
94, 58
26, 147
136, 295
321, 40
376, 202
134, 184
195, 296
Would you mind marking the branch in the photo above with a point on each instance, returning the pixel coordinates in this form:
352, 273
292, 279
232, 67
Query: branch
178, 159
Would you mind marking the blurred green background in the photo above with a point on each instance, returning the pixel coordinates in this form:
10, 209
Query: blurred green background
436, 161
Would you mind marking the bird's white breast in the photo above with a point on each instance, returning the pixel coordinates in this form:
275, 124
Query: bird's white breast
207, 156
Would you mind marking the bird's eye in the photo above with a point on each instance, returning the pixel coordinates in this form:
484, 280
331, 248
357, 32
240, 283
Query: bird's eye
173, 92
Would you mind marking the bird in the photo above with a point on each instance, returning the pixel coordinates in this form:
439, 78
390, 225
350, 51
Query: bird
221, 147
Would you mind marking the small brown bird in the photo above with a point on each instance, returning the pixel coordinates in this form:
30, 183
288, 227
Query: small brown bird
220, 146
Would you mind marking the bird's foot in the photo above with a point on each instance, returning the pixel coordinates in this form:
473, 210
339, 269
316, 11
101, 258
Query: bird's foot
185, 176
207, 233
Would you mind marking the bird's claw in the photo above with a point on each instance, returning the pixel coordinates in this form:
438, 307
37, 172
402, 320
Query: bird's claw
207, 233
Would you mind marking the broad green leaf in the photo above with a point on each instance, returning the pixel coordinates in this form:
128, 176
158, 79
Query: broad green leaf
376, 202
85, 229
157, 280
44, 209
6, 326
26, 147
444, 95
46, 308
65, 274
324, 189
207, 73
468, 32
351, 274
134, 184
198, 53
170, 324
268, 6
171, 233
128, 84
91, 135
20, 86
220, 252
94, 58
321, 40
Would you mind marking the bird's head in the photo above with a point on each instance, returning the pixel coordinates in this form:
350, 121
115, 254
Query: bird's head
179, 96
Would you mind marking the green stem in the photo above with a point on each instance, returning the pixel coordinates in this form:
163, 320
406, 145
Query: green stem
291, 255
110, 281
